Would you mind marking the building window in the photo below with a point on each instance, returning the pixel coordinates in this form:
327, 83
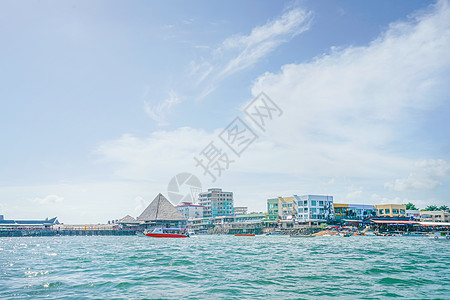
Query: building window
305, 203
337, 210
381, 212
387, 211
313, 210
313, 203
395, 211
402, 211
320, 203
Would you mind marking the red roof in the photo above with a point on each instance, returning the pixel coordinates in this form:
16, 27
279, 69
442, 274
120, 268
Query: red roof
394, 222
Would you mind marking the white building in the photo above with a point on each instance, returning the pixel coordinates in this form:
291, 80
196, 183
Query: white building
434, 216
413, 214
190, 211
240, 210
314, 208
217, 203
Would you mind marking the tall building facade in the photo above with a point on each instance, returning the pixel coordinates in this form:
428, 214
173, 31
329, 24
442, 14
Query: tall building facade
314, 208
272, 209
216, 203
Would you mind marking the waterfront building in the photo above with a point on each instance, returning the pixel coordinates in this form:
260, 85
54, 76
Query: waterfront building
413, 214
128, 222
222, 220
200, 225
383, 224
281, 208
272, 209
314, 208
190, 211
340, 210
249, 218
391, 210
27, 224
240, 210
287, 208
434, 216
161, 213
216, 203
353, 211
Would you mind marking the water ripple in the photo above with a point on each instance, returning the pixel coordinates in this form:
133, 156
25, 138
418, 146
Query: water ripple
224, 267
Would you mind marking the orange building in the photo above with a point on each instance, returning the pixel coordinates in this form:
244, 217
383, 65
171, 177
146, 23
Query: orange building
391, 210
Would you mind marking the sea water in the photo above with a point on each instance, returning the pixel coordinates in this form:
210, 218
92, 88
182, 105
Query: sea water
224, 267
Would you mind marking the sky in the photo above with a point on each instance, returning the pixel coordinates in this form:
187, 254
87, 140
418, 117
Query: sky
104, 102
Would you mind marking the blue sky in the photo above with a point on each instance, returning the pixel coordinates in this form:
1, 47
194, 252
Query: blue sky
105, 101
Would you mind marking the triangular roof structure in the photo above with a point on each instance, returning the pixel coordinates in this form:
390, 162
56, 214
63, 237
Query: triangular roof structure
160, 209
128, 220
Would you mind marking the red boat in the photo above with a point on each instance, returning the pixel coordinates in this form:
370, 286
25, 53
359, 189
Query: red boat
245, 234
167, 233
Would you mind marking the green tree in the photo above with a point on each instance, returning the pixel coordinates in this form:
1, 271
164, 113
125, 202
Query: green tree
444, 208
410, 206
431, 208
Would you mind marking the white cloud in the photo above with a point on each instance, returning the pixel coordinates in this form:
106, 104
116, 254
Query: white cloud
342, 111
240, 52
50, 199
263, 39
161, 111
342, 114
235, 53
427, 176
354, 195
140, 205
162, 154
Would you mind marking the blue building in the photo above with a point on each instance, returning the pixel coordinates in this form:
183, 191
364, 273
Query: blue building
314, 208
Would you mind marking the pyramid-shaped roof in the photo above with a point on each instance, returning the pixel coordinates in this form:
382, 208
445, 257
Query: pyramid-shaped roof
161, 209
128, 220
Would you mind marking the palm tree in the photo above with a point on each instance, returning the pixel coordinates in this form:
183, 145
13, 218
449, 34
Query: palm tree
410, 206
444, 208
431, 208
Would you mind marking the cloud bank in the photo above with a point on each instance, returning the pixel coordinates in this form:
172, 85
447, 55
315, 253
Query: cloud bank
345, 111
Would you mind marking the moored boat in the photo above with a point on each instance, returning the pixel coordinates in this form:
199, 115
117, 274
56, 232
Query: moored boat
275, 233
244, 234
440, 235
167, 233
302, 235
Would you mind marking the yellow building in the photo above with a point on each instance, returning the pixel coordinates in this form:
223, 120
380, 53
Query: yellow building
391, 210
286, 207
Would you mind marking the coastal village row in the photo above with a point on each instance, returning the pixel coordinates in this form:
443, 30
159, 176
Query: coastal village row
214, 212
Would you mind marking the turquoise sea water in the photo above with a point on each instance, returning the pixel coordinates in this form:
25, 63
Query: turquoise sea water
224, 267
